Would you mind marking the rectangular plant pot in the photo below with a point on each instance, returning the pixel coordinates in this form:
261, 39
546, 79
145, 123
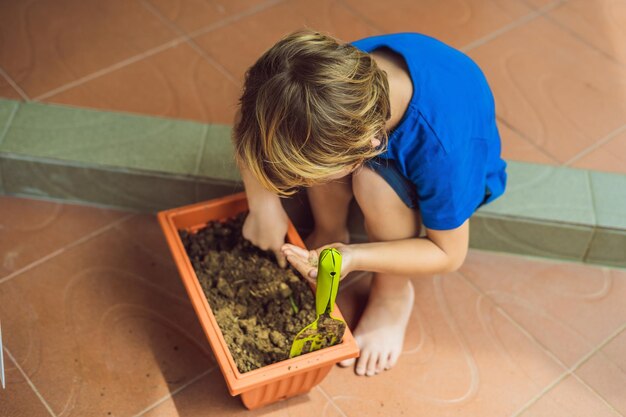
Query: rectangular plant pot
270, 383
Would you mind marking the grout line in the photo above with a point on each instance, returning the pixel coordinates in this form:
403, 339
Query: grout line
595, 218
5, 130
481, 41
591, 195
596, 145
111, 68
224, 22
15, 85
190, 42
330, 400
155, 50
364, 18
570, 372
176, 391
213, 62
524, 19
594, 231
65, 248
521, 328
590, 388
32, 386
528, 141
583, 40
202, 148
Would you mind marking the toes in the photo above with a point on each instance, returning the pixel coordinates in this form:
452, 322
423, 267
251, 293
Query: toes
372, 363
382, 363
361, 365
393, 359
347, 362
386, 364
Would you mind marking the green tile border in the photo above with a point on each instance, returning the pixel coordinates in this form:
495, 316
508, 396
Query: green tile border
530, 237
545, 193
608, 247
107, 186
148, 163
609, 197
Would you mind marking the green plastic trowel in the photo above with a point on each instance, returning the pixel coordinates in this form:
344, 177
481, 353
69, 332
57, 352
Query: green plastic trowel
325, 331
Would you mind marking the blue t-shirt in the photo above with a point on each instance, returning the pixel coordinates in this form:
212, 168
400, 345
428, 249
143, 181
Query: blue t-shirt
447, 142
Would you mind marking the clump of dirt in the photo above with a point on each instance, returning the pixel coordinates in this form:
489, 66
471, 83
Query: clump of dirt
259, 306
329, 330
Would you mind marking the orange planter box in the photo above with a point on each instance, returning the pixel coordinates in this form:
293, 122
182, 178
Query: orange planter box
270, 383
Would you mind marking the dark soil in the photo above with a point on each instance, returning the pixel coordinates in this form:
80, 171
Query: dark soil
259, 306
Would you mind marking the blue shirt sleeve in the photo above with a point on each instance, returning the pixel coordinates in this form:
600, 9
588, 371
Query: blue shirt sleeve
451, 186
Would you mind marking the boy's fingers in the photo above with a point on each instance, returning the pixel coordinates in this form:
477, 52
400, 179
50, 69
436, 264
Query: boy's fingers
297, 250
301, 266
335, 245
280, 258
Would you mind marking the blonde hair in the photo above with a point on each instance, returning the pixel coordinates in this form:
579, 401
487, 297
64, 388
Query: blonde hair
310, 109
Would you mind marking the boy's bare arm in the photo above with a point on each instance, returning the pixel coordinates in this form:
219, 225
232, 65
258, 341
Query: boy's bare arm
442, 251
266, 224
258, 196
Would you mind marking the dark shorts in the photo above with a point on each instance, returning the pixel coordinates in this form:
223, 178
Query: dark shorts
387, 169
405, 189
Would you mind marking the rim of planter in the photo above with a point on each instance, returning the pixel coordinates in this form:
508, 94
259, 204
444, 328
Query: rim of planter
221, 208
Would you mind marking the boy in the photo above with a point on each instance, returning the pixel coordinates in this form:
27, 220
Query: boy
401, 122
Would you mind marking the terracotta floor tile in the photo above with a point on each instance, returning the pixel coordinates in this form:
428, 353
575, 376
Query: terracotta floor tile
605, 372
516, 148
177, 82
569, 398
31, 229
18, 398
106, 326
462, 357
191, 15
609, 157
457, 23
7, 91
55, 42
209, 397
599, 22
569, 308
559, 92
238, 45
537, 4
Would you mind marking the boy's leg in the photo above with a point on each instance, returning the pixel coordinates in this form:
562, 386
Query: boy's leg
329, 204
380, 332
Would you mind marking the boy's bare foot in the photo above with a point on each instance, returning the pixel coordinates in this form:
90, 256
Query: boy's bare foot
380, 332
319, 238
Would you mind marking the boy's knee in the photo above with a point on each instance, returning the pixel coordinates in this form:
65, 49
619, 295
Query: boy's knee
363, 182
386, 216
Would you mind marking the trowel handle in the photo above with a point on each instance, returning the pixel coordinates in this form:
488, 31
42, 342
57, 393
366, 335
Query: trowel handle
328, 275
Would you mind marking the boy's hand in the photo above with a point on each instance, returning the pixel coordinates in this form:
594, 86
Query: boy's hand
267, 229
305, 261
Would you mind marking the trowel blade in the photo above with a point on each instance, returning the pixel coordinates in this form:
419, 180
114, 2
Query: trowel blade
1, 360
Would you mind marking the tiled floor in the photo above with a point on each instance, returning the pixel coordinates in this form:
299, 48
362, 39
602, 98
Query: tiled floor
557, 67
96, 323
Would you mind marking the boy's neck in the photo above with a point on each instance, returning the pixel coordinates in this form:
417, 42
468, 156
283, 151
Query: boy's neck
400, 84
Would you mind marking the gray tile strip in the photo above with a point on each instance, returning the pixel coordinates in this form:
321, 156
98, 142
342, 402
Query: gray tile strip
148, 163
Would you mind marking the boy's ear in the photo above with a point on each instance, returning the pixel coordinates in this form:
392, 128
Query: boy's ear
375, 143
